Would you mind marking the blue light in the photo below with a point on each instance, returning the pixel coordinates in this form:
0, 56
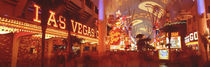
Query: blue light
200, 5
101, 10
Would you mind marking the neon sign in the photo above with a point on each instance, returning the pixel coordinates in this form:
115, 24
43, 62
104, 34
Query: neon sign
76, 26
36, 19
82, 29
52, 19
62, 21
191, 37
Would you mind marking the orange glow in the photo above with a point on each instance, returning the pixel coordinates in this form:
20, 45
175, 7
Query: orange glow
89, 33
62, 22
26, 27
80, 28
85, 30
36, 19
74, 27
52, 19
174, 34
92, 31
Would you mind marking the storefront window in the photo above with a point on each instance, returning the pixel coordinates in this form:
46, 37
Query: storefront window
59, 47
87, 48
94, 49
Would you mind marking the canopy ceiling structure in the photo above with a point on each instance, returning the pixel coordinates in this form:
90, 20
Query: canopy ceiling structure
142, 11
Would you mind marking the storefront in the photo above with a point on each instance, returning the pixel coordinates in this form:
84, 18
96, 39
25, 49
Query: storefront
175, 41
178, 32
25, 45
20, 39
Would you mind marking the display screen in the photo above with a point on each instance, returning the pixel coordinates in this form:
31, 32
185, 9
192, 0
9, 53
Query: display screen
164, 54
175, 42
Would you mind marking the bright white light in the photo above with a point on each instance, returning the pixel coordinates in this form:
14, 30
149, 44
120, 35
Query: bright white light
47, 36
147, 6
4, 32
143, 29
175, 42
135, 22
83, 41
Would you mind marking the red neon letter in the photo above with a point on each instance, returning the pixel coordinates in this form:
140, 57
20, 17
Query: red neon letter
52, 19
36, 19
62, 21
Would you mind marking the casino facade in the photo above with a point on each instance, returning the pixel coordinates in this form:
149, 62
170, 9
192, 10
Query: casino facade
20, 31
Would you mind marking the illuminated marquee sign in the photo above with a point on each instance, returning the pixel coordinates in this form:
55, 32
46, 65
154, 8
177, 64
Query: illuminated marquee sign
82, 29
173, 34
15, 25
191, 37
76, 26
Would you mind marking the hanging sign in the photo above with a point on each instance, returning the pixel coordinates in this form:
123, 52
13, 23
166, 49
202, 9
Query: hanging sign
191, 37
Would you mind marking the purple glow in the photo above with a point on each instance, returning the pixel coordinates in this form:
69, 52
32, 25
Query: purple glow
101, 10
200, 5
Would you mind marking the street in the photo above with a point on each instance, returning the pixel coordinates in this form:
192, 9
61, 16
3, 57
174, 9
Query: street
122, 59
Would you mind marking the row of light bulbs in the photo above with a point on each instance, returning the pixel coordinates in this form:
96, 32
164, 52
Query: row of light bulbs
26, 27
34, 28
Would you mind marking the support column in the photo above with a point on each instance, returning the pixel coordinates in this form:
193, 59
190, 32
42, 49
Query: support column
101, 39
16, 41
202, 26
91, 47
15, 47
102, 29
50, 50
201, 32
81, 49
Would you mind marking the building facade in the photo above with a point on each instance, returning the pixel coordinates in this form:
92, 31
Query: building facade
20, 30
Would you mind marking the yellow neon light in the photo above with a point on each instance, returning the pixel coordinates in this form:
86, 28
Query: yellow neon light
80, 28
191, 43
36, 19
62, 22
52, 19
88, 39
85, 31
24, 26
16, 25
74, 26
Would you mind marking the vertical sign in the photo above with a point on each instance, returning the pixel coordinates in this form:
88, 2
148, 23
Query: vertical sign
201, 8
101, 10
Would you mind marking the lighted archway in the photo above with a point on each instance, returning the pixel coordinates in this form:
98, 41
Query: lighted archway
148, 6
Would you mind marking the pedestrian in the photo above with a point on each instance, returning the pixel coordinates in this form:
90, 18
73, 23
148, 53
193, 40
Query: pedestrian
62, 59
